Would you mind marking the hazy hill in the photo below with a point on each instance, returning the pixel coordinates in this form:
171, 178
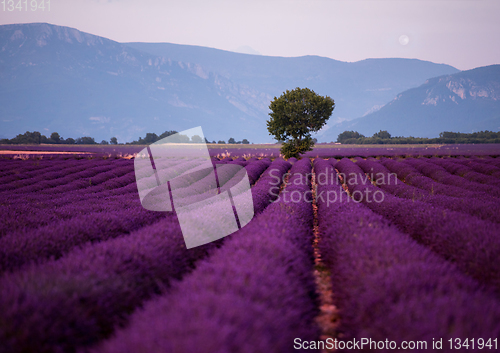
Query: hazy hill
467, 101
357, 88
59, 79
55, 78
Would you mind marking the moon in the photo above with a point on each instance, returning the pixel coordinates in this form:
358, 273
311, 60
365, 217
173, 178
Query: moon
404, 39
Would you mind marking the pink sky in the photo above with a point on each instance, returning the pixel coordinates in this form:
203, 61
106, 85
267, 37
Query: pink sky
456, 32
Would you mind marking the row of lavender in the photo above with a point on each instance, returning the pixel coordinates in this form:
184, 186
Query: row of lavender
73, 286
468, 241
255, 292
110, 187
392, 291
215, 307
51, 223
386, 285
264, 150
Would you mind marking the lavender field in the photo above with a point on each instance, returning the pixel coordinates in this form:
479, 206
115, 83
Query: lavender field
326, 150
381, 251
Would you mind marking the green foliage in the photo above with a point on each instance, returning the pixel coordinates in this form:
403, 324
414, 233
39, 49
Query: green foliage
196, 139
85, 140
167, 134
295, 114
221, 142
382, 134
295, 147
55, 137
152, 138
383, 137
245, 142
36, 137
346, 135
179, 138
231, 140
27, 138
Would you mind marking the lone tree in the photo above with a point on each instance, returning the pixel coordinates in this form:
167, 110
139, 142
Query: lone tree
295, 114
382, 134
196, 139
55, 137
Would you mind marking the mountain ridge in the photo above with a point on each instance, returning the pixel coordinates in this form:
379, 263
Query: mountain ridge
57, 78
467, 101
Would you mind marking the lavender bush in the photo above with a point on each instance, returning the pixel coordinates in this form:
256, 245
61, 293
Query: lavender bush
389, 287
441, 175
463, 239
390, 183
255, 294
80, 298
466, 172
411, 176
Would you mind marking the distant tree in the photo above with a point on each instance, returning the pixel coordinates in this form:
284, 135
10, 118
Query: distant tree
295, 115
167, 134
70, 141
28, 138
382, 134
44, 139
214, 142
179, 138
231, 140
221, 142
86, 140
206, 141
196, 139
104, 142
113, 141
150, 138
245, 142
348, 135
55, 138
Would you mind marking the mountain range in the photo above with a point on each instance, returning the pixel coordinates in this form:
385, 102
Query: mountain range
55, 78
468, 101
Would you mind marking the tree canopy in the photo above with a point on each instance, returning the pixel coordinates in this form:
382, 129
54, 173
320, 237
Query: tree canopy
36, 138
448, 137
295, 115
196, 139
382, 134
343, 137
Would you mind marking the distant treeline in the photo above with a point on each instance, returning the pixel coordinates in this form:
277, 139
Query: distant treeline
36, 138
152, 138
446, 137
